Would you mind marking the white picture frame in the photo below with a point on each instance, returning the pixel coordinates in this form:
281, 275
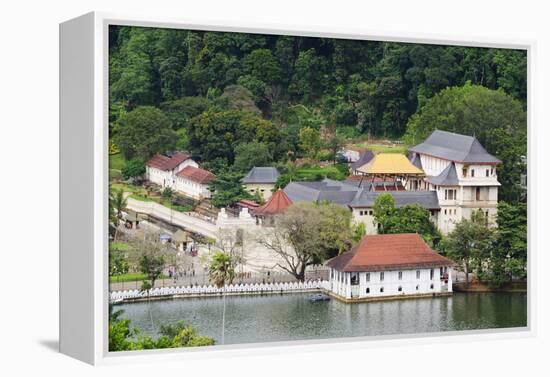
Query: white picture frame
84, 179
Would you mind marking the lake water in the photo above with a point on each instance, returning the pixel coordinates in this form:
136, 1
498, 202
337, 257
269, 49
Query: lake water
293, 317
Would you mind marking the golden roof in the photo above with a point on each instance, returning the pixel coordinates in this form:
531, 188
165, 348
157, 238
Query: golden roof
390, 163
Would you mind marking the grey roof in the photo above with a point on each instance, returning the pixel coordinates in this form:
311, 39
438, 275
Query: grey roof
454, 147
261, 175
364, 159
415, 160
345, 194
333, 191
425, 199
447, 177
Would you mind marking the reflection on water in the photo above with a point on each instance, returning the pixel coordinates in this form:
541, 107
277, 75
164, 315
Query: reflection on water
292, 317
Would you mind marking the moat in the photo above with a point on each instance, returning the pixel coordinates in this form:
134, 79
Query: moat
270, 318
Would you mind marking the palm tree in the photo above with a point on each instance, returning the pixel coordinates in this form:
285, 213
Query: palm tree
117, 204
221, 271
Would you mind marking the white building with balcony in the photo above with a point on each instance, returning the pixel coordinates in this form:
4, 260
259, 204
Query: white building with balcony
462, 173
390, 266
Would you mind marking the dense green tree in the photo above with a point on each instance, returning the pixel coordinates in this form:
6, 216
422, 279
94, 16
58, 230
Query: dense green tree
228, 189
470, 244
410, 218
134, 168
310, 141
496, 119
143, 132
248, 155
509, 255
221, 270
238, 97
216, 134
181, 110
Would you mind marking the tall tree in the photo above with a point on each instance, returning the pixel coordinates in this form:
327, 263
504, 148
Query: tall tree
470, 244
143, 132
248, 155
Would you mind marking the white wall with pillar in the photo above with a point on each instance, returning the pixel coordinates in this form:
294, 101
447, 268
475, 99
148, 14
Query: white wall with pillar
357, 285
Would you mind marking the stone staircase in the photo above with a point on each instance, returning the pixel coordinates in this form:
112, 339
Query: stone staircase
205, 208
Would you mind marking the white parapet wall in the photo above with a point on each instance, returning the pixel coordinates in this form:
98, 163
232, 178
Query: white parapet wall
187, 221
205, 290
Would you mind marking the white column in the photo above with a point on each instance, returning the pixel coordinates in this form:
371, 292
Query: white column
450, 282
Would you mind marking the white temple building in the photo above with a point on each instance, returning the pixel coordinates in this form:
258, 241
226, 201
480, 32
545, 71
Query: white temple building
390, 266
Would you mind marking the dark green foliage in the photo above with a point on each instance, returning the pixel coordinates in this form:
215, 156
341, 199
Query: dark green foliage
228, 189
134, 168
410, 218
181, 110
124, 338
509, 255
248, 155
152, 265
470, 244
215, 135
143, 132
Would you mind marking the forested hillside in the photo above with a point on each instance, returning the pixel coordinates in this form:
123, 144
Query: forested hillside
372, 86
236, 100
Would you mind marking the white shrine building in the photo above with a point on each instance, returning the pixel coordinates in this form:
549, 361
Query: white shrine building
462, 173
390, 266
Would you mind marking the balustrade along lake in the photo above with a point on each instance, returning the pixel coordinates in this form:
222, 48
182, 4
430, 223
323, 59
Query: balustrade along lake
285, 317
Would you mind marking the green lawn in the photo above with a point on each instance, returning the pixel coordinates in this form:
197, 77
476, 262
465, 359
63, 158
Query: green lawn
337, 172
116, 161
132, 276
383, 148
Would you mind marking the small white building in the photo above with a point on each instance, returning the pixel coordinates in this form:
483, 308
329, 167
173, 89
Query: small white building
162, 169
194, 182
390, 266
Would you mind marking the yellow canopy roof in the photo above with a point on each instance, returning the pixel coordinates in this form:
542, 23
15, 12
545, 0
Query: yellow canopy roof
390, 163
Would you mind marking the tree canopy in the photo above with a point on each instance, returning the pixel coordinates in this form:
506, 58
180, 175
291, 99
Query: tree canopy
495, 118
143, 132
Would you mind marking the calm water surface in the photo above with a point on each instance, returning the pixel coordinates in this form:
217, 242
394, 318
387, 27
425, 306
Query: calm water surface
292, 317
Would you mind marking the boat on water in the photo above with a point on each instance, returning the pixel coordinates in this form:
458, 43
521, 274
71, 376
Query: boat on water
319, 297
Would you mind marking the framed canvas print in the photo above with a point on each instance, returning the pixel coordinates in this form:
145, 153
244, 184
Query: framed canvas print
226, 188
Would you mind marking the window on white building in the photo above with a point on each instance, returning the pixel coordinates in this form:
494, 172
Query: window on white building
465, 172
400, 275
354, 278
432, 274
400, 289
368, 290
381, 276
368, 276
381, 289
431, 286
487, 172
418, 274
417, 287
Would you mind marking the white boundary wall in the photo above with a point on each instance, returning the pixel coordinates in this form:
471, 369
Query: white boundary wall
228, 289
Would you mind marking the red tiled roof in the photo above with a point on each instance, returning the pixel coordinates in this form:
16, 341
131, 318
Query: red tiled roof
166, 163
278, 203
383, 252
250, 204
196, 174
